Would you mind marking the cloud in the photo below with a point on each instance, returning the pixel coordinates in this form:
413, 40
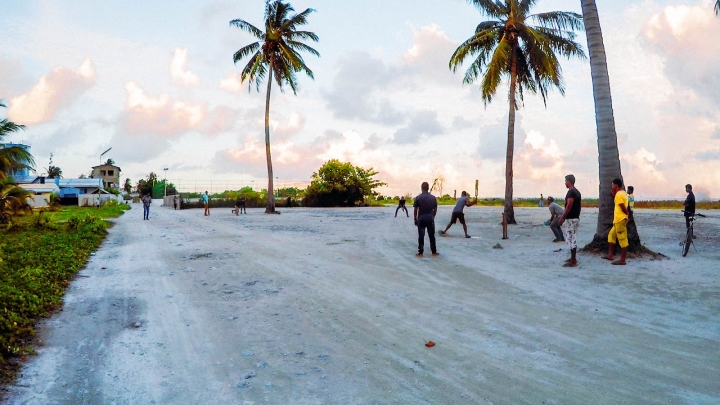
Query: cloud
708, 155
178, 73
643, 164
493, 138
55, 90
358, 77
12, 77
460, 123
716, 134
539, 158
232, 83
680, 34
159, 115
428, 56
423, 124
294, 124
251, 158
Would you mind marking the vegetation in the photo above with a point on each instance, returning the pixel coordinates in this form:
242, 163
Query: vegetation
53, 171
127, 187
717, 7
13, 199
510, 47
12, 157
339, 184
277, 54
39, 256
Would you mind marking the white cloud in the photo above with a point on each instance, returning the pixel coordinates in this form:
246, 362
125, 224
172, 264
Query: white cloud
160, 115
232, 83
55, 90
179, 73
643, 164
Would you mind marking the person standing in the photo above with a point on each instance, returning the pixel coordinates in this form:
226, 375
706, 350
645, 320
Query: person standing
458, 215
689, 205
206, 202
176, 201
146, 201
542, 201
571, 214
425, 209
556, 212
618, 233
631, 199
401, 206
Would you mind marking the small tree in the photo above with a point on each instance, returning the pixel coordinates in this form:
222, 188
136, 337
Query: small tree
127, 187
339, 184
53, 202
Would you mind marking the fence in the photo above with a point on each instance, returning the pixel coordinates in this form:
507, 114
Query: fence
218, 186
91, 200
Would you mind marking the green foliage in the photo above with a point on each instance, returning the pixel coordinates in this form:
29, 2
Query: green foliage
339, 184
53, 202
14, 157
38, 259
13, 199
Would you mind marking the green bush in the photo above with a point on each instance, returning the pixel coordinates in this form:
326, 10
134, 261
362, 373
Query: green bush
38, 259
338, 184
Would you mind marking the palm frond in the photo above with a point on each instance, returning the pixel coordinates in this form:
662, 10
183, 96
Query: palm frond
562, 21
295, 45
482, 42
297, 35
491, 8
298, 19
717, 7
245, 51
247, 27
496, 68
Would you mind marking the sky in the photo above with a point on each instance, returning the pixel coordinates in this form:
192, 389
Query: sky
156, 82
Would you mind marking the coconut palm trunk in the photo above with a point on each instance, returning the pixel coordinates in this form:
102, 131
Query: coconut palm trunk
270, 205
608, 155
509, 210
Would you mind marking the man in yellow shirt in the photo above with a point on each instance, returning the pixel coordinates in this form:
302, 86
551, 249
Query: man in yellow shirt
618, 233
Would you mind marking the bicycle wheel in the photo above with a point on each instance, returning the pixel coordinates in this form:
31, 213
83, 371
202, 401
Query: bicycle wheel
688, 241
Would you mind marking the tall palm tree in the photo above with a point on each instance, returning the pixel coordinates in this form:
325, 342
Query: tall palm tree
12, 196
12, 157
277, 54
608, 154
508, 47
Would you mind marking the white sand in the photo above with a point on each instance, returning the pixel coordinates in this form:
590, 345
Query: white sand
330, 306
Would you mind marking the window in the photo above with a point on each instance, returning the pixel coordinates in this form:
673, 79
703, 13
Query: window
111, 172
102, 172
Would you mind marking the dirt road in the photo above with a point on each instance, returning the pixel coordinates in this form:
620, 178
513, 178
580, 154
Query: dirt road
330, 306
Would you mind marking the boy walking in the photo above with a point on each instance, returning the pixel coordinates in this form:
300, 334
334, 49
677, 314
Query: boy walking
206, 202
146, 200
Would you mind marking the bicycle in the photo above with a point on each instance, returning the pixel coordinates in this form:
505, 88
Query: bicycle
689, 235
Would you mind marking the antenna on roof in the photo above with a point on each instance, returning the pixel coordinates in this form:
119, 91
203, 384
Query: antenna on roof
101, 155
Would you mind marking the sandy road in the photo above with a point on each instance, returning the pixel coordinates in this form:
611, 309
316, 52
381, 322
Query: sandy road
331, 307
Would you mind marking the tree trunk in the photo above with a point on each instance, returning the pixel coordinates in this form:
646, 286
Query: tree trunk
509, 211
270, 205
608, 155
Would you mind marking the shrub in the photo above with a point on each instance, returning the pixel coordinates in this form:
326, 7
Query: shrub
338, 184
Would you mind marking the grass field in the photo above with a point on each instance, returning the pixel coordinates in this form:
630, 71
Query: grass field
39, 256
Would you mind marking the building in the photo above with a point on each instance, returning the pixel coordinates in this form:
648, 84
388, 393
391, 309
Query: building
40, 193
110, 175
21, 176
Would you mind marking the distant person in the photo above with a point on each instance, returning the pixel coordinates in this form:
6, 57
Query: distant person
689, 205
556, 212
401, 206
239, 205
542, 201
243, 201
425, 209
176, 201
146, 201
618, 233
458, 215
206, 203
571, 213
631, 199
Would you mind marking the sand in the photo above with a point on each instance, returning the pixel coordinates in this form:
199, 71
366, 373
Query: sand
330, 306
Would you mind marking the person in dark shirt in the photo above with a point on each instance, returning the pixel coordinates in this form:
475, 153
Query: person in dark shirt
425, 208
401, 206
689, 205
571, 214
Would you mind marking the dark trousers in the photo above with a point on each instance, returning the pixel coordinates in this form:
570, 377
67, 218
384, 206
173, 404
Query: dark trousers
146, 212
556, 229
402, 207
430, 225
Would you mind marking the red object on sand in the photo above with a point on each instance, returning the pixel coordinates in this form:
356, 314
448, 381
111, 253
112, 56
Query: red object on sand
430, 343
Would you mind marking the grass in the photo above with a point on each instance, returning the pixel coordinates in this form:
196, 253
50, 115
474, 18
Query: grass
39, 256
586, 203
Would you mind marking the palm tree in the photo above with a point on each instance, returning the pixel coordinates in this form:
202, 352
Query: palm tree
509, 47
128, 186
277, 54
109, 162
54, 171
608, 154
717, 7
12, 197
12, 157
